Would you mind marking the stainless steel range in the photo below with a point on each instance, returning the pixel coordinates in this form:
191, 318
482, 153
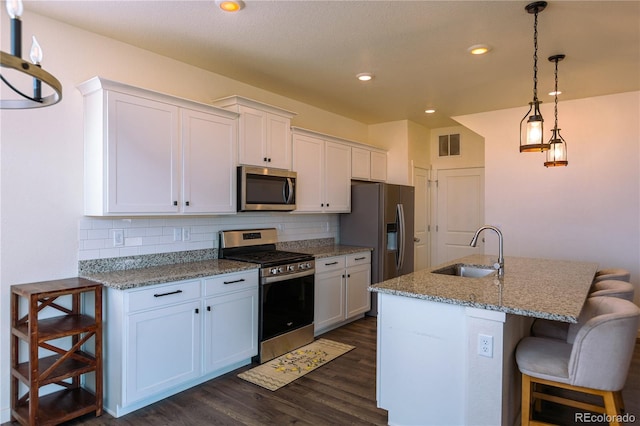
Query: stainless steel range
286, 289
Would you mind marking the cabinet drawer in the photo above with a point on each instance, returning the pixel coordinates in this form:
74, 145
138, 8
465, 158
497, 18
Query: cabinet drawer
330, 264
358, 258
230, 282
163, 295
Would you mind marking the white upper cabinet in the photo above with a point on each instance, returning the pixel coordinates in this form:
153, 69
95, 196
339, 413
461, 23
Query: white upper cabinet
324, 173
264, 135
208, 156
148, 153
379, 166
368, 164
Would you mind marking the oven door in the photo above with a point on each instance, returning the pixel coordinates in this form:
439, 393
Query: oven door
285, 306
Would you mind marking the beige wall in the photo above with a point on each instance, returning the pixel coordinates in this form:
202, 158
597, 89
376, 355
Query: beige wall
407, 144
471, 149
589, 210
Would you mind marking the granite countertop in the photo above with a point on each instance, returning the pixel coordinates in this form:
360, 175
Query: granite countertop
332, 250
131, 278
127, 278
541, 288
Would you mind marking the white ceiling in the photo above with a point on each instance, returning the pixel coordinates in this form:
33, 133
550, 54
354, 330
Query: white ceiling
312, 50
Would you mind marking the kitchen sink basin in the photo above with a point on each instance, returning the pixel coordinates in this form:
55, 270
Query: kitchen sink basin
462, 270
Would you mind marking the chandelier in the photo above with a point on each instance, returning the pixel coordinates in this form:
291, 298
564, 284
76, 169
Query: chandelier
15, 62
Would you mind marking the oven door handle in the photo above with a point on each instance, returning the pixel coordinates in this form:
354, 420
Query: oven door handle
305, 273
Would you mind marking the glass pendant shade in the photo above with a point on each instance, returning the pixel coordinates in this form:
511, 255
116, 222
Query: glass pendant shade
557, 153
531, 130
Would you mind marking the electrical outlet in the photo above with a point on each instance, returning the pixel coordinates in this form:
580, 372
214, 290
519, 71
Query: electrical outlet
118, 237
177, 234
186, 234
485, 345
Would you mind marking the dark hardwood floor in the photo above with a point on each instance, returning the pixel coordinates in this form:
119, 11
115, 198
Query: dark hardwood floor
339, 393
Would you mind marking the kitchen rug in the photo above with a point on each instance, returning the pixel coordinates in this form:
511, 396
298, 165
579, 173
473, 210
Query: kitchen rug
285, 369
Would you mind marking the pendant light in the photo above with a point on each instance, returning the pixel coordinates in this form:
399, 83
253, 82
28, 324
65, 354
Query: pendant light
531, 130
15, 62
557, 153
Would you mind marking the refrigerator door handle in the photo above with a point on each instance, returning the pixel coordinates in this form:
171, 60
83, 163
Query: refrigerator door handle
401, 236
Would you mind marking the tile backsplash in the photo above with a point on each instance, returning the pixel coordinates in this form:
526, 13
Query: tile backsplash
100, 238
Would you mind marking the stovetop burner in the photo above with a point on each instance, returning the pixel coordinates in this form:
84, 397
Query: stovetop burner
259, 246
268, 258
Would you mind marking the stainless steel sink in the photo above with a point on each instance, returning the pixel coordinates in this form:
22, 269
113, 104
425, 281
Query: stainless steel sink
462, 270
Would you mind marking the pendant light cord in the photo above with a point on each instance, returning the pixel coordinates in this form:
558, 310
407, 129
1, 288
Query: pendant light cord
535, 57
556, 96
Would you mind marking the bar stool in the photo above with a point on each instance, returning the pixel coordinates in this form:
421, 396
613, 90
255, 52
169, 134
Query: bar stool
560, 330
596, 363
618, 274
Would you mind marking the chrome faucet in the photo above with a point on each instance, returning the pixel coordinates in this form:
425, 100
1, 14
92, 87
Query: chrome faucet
500, 264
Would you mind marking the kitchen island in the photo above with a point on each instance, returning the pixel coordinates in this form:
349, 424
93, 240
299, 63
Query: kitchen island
446, 343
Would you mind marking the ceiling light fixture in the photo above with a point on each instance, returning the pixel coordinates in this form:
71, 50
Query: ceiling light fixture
478, 49
557, 153
429, 110
14, 61
230, 5
531, 130
365, 76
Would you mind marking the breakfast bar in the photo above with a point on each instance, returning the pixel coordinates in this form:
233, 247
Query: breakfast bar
446, 342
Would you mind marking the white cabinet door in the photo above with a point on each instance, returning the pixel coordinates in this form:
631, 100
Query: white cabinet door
358, 297
231, 329
360, 163
252, 136
378, 166
308, 159
278, 141
329, 306
208, 145
162, 349
337, 178
143, 155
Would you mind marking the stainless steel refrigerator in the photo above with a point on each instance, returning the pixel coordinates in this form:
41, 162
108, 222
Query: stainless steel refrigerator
381, 217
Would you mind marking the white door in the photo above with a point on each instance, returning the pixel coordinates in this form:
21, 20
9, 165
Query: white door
460, 211
421, 219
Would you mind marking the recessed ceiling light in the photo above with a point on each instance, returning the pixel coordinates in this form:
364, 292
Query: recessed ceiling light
230, 5
553, 93
429, 110
478, 49
365, 76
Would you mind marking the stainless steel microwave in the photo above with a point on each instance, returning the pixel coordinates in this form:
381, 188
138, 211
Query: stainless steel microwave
265, 189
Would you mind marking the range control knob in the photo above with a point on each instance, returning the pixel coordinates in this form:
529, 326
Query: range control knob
291, 268
273, 271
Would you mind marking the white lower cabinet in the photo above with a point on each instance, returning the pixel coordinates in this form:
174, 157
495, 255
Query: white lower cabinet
163, 349
341, 293
230, 323
165, 338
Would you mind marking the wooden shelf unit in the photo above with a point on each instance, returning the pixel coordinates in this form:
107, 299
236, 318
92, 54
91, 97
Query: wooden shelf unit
66, 366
